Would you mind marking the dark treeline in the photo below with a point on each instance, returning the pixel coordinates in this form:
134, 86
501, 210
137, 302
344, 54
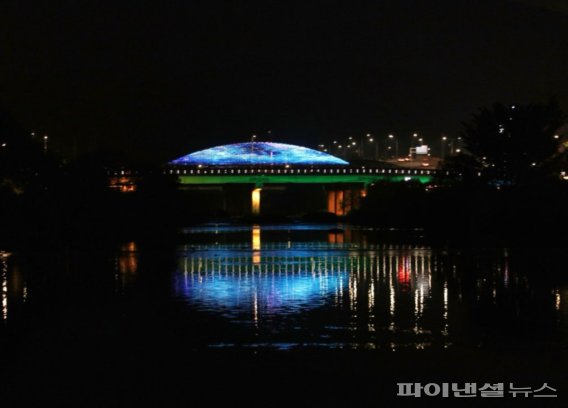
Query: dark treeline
505, 185
476, 216
46, 199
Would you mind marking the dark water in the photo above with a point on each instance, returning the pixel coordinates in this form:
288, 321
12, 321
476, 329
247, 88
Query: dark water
323, 288
288, 286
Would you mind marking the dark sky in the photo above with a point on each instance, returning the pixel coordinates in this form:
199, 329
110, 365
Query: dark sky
160, 79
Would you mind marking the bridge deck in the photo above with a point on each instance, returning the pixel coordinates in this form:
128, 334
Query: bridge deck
301, 175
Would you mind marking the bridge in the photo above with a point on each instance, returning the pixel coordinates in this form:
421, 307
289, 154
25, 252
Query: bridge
265, 166
259, 176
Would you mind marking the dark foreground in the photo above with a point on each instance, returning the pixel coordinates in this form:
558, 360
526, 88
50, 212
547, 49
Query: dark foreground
175, 322
89, 374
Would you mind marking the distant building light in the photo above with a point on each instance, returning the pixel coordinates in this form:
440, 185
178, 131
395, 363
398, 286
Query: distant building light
556, 136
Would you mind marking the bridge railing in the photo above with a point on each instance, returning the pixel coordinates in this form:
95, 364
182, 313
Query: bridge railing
301, 171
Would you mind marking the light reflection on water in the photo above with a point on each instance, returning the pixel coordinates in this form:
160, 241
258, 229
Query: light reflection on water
14, 291
126, 266
332, 291
4, 279
357, 291
304, 285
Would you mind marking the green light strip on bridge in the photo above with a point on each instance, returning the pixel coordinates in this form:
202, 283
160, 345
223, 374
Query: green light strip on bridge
300, 179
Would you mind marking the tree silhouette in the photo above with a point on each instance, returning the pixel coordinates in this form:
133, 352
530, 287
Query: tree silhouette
514, 143
24, 164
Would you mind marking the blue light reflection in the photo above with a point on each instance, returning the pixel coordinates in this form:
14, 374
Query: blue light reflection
241, 285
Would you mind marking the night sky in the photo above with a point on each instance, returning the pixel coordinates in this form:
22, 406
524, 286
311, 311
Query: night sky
160, 79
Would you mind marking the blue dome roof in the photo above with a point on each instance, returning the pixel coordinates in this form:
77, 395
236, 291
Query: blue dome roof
258, 153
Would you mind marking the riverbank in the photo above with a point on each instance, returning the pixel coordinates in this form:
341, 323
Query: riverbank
481, 216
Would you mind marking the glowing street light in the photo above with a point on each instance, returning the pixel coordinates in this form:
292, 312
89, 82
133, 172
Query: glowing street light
392, 137
371, 140
414, 140
442, 147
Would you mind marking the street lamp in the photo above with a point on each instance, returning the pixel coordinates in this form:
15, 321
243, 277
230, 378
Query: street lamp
442, 147
413, 143
395, 139
372, 140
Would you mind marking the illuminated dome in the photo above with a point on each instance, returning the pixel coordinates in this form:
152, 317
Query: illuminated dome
258, 153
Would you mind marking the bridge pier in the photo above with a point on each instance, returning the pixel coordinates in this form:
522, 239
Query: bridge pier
342, 201
255, 201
